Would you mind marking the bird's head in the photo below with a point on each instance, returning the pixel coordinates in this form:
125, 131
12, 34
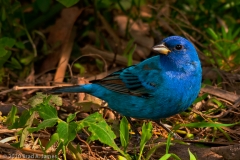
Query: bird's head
177, 52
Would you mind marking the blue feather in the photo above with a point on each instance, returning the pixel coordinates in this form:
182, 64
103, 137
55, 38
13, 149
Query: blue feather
158, 87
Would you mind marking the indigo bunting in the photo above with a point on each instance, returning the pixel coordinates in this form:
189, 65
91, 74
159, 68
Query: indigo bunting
158, 87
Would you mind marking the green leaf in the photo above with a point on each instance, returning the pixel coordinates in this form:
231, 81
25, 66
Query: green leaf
40, 102
27, 60
175, 156
200, 98
66, 131
11, 116
55, 99
46, 111
20, 45
21, 122
124, 5
15, 64
192, 157
146, 135
68, 3
4, 55
169, 142
71, 117
130, 58
7, 42
121, 158
100, 131
212, 33
25, 131
60, 146
165, 156
3, 14
80, 67
46, 123
37, 99
152, 150
43, 5
124, 133
54, 138
3, 51
224, 34
207, 124
128, 47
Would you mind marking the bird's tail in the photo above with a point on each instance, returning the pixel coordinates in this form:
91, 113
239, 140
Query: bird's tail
71, 89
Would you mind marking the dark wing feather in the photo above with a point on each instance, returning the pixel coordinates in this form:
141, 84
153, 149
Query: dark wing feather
124, 81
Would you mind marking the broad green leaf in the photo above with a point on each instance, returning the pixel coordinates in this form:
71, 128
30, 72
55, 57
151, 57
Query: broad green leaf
27, 60
71, 117
72, 128
54, 138
62, 130
15, 64
68, 3
146, 135
46, 123
21, 121
66, 131
55, 99
3, 51
124, 5
20, 45
43, 5
11, 116
121, 158
124, 132
100, 131
39, 98
25, 131
7, 42
46, 111
23, 136
4, 55
165, 157
192, 157
175, 156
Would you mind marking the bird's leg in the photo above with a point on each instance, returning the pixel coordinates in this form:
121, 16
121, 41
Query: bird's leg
175, 135
134, 129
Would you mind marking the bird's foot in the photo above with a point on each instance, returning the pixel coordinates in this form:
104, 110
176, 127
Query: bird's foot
175, 135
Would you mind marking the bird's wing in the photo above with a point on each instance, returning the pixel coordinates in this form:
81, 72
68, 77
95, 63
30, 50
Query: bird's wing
126, 82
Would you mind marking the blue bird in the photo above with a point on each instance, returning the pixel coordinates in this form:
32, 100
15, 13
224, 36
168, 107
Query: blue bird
158, 87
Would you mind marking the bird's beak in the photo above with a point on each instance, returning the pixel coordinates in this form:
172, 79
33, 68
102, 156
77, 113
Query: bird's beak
161, 48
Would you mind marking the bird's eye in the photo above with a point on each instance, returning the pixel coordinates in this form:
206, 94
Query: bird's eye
178, 47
